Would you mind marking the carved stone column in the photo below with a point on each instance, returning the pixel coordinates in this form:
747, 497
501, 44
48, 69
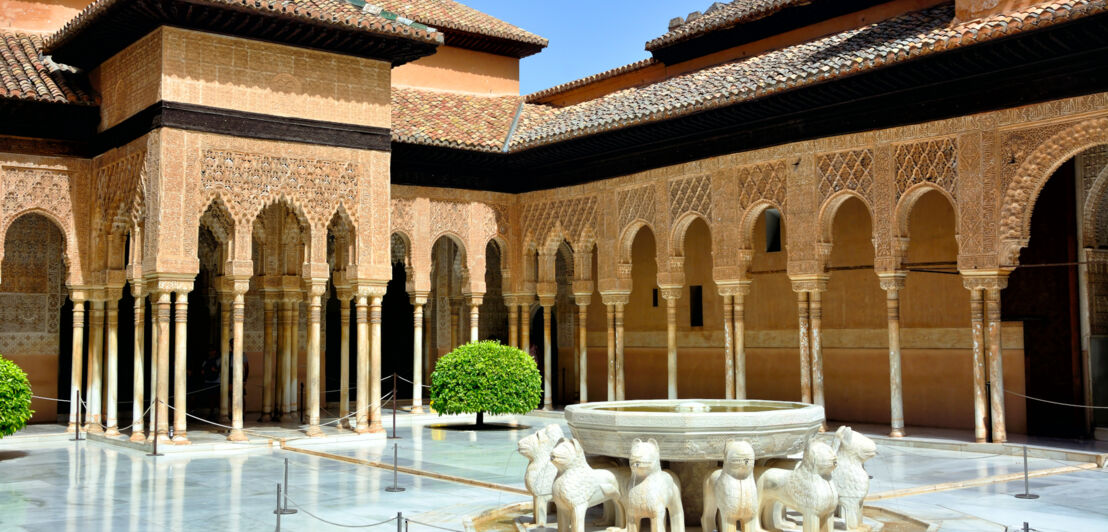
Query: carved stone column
977, 329
474, 317
611, 323
805, 347
671, 294
513, 321
621, 388
739, 326
728, 345
995, 357
161, 324
238, 317
138, 432
525, 323
269, 357
284, 336
418, 301
226, 300
95, 371
180, 367
361, 317
375, 360
344, 354
315, 289
583, 301
893, 283
294, 372
76, 358
815, 317
546, 302
112, 366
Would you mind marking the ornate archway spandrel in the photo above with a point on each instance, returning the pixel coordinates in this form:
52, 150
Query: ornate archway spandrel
930, 161
846, 170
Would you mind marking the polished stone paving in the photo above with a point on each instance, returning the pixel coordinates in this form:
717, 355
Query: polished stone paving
49, 483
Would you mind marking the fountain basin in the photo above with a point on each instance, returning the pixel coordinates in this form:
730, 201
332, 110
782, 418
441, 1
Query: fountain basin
694, 430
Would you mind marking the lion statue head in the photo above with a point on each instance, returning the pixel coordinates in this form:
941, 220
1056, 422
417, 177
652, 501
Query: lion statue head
738, 459
645, 458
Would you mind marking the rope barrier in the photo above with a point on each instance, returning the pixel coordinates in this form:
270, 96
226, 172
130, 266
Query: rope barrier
50, 399
432, 526
332, 523
1056, 402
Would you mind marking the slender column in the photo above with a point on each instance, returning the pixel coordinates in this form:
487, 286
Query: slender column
739, 324
180, 368
513, 322
138, 433
95, 359
361, 316
996, 362
375, 364
977, 328
892, 286
474, 318
269, 357
294, 372
344, 355
428, 316
611, 325
620, 380
583, 345
728, 347
238, 316
548, 399
112, 366
77, 359
315, 291
671, 295
225, 304
417, 354
153, 367
285, 335
162, 324
815, 308
525, 325
454, 319
805, 351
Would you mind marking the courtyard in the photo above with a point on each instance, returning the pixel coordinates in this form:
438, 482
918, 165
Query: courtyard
50, 483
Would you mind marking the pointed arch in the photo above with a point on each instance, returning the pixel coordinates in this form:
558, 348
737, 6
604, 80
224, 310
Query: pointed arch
908, 201
831, 207
681, 229
750, 219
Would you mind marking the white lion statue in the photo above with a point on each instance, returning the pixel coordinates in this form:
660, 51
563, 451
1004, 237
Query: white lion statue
732, 492
652, 491
807, 489
579, 487
539, 478
850, 477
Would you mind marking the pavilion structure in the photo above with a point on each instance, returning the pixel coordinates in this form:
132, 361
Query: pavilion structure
895, 209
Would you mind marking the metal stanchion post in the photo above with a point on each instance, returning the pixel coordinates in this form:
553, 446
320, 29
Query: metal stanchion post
1026, 483
154, 429
277, 511
399, 521
77, 427
300, 406
988, 411
395, 487
394, 436
285, 510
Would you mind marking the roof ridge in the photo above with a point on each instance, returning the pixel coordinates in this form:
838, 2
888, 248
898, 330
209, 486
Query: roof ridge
588, 80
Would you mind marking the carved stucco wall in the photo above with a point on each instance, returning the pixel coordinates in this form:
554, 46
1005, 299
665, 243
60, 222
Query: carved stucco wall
33, 287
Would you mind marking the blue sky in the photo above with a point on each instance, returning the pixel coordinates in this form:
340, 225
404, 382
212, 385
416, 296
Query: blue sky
585, 37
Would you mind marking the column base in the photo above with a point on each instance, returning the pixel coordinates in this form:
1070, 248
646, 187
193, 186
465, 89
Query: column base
94, 428
71, 428
896, 433
181, 438
162, 438
547, 408
417, 409
314, 432
266, 417
112, 432
237, 435
361, 429
226, 420
138, 436
376, 427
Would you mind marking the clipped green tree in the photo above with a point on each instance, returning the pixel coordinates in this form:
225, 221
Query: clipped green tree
485, 377
15, 398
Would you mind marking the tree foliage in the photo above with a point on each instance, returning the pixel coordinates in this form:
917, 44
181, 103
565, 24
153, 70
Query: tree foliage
15, 398
486, 377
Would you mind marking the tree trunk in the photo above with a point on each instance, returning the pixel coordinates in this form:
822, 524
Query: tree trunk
480, 419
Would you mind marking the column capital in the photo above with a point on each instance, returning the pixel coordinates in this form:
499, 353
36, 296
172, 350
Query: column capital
582, 300
113, 293
547, 300
671, 293
985, 280
79, 294
738, 288
315, 286
615, 298
583, 287
370, 289
419, 298
170, 282
810, 282
892, 280
475, 299
138, 288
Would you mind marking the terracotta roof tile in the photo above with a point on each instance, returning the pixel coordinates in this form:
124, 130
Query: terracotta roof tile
722, 15
451, 119
453, 15
26, 74
870, 47
337, 12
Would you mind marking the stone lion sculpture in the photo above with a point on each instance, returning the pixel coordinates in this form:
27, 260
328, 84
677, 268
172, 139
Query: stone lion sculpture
579, 487
652, 491
807, 489
850, 477
732, 491
539, 477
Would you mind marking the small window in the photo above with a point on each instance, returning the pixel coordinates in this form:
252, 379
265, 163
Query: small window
696, 306
655, 297
773, 230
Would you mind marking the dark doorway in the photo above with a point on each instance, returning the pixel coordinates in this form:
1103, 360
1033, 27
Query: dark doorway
1045, 299
397, 330
536, 350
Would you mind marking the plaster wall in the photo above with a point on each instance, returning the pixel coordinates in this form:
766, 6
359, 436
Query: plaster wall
38, 16
460, 70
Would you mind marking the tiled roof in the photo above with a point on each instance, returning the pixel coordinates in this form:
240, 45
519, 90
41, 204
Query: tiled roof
453, 15
26, 75
332, 12
452, 120
577, 83
723, 15
867, 48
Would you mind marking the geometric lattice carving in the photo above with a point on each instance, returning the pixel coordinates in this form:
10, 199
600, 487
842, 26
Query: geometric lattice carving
1093, 161
33, 287
763, 181
402, 219
845, 170
634, 204
690, 195
573, 215
932, 161
449, 216
118, 182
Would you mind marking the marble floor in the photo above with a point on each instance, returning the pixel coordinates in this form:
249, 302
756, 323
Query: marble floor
52, 484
